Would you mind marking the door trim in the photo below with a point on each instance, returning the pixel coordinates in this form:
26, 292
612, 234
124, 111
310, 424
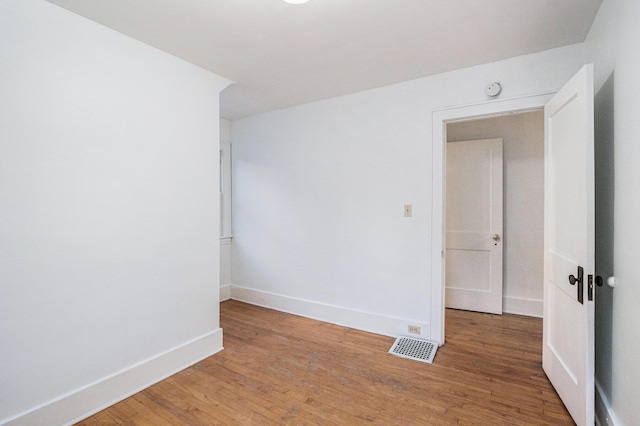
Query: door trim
440, 118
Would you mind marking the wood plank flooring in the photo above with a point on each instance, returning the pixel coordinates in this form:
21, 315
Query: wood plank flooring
278, 368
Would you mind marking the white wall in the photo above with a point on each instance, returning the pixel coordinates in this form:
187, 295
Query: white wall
108, 231
319, 191
612, 45
523, 151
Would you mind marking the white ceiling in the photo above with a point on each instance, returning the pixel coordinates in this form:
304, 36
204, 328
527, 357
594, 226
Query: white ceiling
282, 55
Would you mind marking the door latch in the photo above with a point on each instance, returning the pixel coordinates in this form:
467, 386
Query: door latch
580, 281
599, 282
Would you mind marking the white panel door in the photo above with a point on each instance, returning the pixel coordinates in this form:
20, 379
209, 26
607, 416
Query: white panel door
473, 261
568, 347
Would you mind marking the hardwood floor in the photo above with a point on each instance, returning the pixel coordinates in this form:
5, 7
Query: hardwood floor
282, 369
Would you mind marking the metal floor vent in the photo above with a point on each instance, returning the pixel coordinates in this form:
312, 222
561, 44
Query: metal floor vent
410, 348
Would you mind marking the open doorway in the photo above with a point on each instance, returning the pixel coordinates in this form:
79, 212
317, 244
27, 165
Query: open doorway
568, 314
515, 225
441, 119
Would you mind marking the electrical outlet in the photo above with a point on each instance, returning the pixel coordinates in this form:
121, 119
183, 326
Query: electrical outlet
414, 329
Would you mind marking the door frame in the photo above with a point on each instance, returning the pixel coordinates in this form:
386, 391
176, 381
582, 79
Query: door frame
440, 119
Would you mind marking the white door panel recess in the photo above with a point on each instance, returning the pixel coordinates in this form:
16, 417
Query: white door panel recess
568, 347
473, 265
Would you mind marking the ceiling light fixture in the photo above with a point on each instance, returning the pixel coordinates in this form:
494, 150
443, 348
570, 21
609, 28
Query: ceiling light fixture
296, 1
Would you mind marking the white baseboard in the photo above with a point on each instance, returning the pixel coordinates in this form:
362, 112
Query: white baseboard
522, 306
82, 403
360, 320
225, 292
604, 414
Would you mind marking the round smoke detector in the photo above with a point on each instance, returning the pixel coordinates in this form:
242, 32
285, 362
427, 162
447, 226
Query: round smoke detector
493, 89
